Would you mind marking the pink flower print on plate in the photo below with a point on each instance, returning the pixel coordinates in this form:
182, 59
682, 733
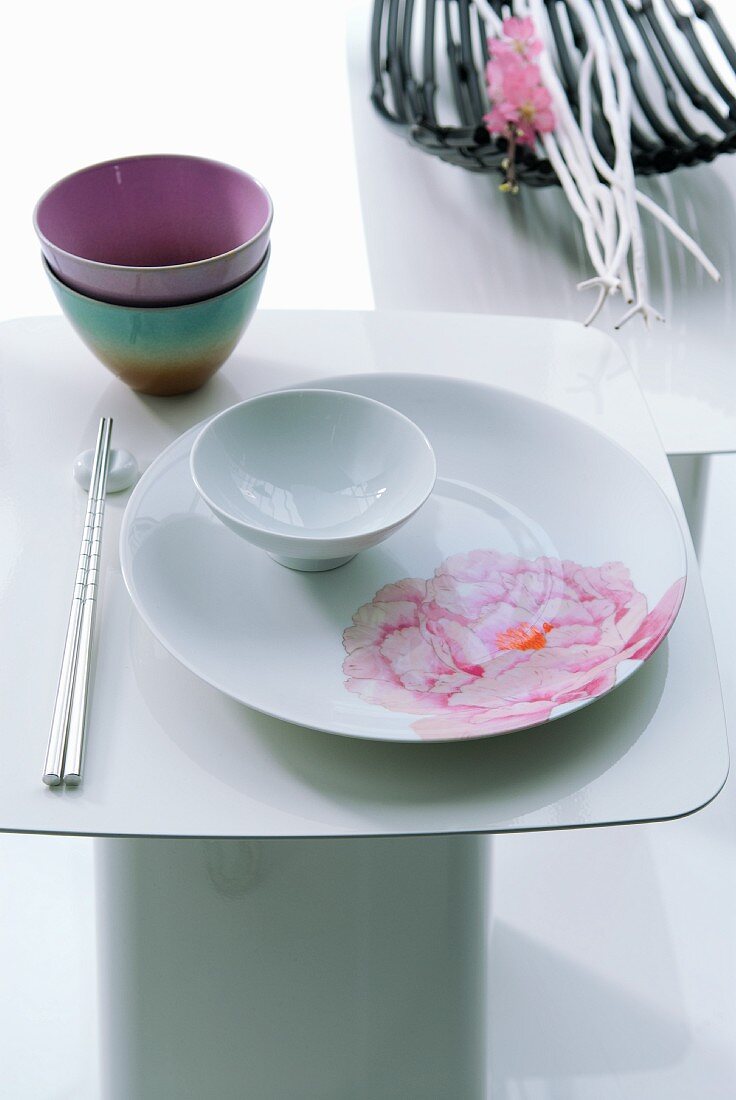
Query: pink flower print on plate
493, 643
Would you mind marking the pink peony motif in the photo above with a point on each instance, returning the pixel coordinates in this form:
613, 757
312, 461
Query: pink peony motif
493, 643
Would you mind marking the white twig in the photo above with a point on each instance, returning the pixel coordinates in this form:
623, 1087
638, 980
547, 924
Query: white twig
573, 142
605, 171
493, 23
678, 233
603, 197
616, 102
582, 211
618, 260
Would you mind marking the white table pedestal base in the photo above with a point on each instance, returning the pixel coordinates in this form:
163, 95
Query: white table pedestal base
692, 474
309, 969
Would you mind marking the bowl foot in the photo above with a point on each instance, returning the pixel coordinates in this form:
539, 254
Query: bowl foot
311, 565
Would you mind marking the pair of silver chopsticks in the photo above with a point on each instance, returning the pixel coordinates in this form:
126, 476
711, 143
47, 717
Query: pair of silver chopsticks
65, 752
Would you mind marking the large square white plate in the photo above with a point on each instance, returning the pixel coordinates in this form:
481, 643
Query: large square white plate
545, 568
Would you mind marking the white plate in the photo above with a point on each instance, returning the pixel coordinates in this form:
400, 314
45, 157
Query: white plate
566, 570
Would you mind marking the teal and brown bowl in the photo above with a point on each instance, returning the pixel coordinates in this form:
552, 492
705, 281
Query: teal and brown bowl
163, 350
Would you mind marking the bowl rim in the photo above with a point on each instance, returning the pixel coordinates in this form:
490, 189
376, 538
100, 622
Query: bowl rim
133, 269
168, 309
314, 539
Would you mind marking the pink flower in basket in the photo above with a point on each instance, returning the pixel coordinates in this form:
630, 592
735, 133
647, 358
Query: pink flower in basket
493, 642
519, 40
530, 103
521, 107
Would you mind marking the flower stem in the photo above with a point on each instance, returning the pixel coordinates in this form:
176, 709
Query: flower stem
510, 185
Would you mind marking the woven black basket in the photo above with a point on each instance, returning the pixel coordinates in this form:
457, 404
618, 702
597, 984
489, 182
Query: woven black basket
406, 39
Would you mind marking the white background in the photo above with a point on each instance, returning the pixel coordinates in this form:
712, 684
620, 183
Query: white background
258, 84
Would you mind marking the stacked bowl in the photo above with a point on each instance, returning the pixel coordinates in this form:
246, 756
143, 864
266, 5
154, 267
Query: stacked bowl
158, 262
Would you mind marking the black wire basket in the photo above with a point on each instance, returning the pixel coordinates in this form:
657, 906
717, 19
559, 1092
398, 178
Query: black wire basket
691, 120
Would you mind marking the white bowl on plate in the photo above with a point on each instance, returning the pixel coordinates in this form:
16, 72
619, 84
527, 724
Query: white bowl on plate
313, 476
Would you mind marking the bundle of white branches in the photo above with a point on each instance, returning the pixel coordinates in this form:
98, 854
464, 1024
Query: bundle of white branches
604, 198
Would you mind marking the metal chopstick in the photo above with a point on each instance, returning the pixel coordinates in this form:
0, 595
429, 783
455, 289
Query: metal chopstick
53, 765
74, 756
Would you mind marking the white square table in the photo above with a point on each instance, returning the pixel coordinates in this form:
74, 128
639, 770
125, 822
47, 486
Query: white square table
279, 907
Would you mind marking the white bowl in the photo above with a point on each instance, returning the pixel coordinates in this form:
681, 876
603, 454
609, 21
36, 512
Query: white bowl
313, 476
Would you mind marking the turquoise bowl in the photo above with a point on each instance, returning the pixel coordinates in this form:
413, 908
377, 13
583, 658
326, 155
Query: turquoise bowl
163, 350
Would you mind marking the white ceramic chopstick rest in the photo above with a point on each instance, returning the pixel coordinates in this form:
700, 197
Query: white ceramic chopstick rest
121, 474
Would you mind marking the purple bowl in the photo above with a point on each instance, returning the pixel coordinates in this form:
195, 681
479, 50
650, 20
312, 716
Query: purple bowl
154, 230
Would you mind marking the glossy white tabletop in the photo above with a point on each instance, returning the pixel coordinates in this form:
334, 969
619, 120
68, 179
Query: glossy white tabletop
170, 756
440, 237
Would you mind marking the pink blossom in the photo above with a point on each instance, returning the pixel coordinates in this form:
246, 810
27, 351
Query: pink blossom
531, 101
519, 40
500, 115
519, 98
493, 642
494, 80
520, 104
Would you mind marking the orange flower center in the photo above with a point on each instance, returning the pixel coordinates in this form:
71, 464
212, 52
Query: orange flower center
523, 636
